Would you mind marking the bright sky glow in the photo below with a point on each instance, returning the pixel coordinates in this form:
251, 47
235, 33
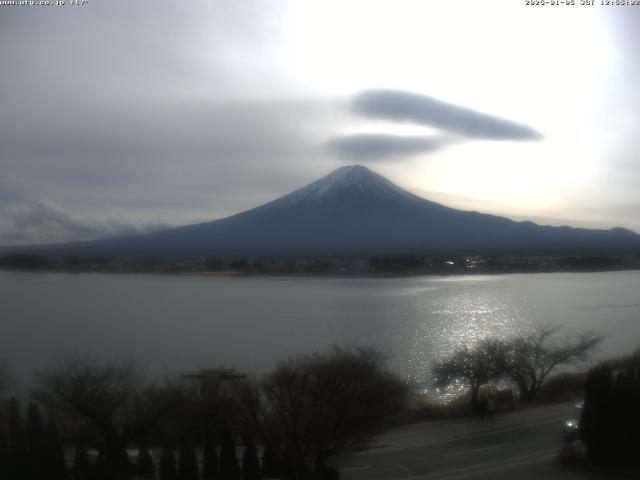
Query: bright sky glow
162, 113
543, 68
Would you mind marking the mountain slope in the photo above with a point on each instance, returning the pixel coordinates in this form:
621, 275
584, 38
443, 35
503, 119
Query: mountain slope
356, 211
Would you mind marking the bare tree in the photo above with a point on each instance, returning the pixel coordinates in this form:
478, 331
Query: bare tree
323, 404
110, 399
531, 358
474, 366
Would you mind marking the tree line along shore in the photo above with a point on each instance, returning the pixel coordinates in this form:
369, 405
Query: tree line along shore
324, 265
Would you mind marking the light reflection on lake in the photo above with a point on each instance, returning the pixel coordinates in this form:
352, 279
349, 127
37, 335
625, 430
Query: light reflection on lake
177, 323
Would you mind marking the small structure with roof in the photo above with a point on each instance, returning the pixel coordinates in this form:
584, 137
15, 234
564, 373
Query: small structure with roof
214, 381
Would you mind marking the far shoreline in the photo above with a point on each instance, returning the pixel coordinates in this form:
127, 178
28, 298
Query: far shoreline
331, 275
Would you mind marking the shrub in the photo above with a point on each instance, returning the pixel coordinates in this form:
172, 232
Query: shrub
562, 387
327, 403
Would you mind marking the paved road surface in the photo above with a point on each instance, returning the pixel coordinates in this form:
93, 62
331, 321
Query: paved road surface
518, 445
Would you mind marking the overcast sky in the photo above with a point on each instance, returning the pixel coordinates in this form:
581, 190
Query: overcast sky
122, 116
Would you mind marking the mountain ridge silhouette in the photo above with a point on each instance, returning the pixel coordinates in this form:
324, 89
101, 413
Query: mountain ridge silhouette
354, 211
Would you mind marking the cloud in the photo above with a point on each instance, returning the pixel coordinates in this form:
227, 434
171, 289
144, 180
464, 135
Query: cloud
172, 164
411, 107
148, 112
209, 159
371, 147
42, 221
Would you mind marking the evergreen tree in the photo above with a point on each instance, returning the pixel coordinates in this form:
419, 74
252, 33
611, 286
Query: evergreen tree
270, 462
144, 463
167, 469
610, 418
19, 465
229, 467
596, 419
82, 468
622, 412
100, 468
56, 464
250, 462
4, 454
37, 440
210, 458
188, 462
635, 416
289, 469
626, 414
120, 464
634, 420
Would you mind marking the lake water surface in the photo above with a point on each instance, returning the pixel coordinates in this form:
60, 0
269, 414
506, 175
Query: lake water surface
179, 323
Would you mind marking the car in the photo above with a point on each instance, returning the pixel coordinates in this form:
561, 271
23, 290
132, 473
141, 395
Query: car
571, 430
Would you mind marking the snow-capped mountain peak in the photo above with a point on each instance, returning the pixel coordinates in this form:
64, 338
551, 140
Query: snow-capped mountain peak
352, 180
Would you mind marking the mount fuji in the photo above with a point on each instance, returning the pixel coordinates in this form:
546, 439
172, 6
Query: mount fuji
354, 211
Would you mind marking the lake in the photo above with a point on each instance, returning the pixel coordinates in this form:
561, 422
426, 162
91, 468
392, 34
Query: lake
181, 323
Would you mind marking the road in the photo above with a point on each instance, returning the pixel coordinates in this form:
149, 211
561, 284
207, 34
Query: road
519, 445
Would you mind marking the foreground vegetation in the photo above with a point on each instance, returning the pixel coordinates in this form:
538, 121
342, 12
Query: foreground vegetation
610, 421
308, 408
106, 421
